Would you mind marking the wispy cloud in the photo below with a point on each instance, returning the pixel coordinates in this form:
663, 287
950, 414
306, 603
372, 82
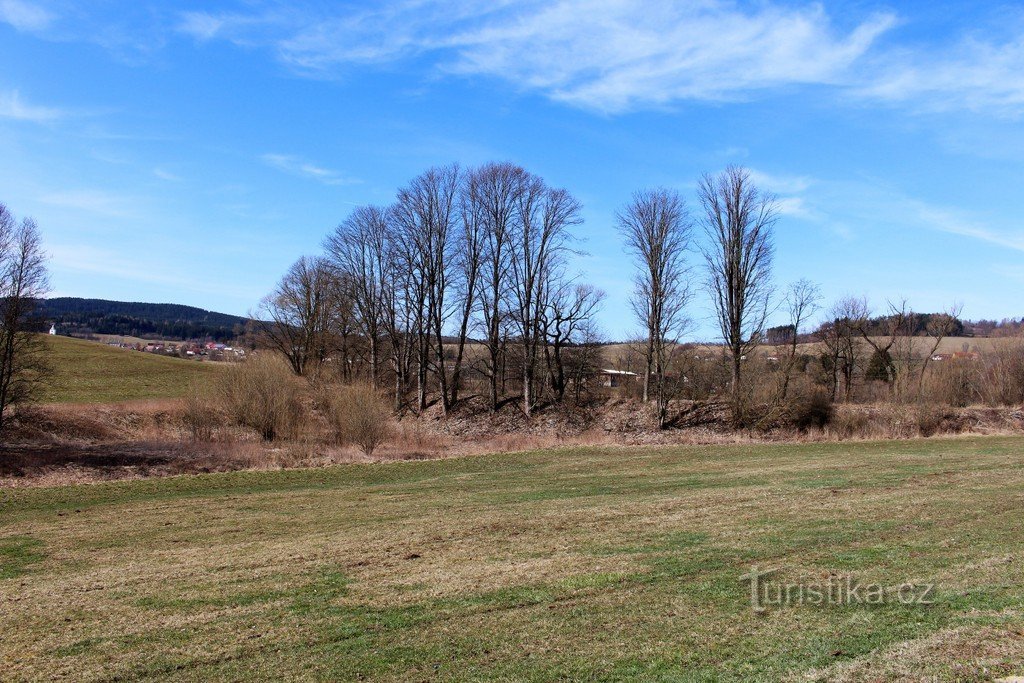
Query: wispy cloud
616, 55
12, 106
955, 223
92, 201
975, 74
300, 167
610, 55
24, 16
163, 174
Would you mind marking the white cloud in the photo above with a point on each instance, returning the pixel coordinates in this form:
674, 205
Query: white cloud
976, 75
91, 201
200, 25
13, 107
616, 56
166, 175
297, 166
24, 16
782, 184
609, 55
954, 223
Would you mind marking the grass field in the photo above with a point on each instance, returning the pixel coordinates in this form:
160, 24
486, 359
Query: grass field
588, 564
90, 372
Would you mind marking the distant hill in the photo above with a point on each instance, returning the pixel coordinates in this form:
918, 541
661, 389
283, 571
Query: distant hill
75, 316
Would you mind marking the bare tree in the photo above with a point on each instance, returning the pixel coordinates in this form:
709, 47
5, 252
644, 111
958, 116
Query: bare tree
426, 214
566, 322
884, 333
657, 228
540, 241
297, 318
802, 301
469, 248
584, 358
738, 220
840, 340
938, 328
401, 305
358, 252
23, 281
492, 193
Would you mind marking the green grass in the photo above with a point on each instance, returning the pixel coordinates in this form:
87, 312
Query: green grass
595, 564
90, 372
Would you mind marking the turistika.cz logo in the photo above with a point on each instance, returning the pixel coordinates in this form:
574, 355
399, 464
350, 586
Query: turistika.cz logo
842, 591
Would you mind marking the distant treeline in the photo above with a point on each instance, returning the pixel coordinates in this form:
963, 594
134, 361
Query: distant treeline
76, 316
878, 327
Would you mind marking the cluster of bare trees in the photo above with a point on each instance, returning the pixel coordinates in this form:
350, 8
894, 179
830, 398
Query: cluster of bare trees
857, 346
466, 273
23, 281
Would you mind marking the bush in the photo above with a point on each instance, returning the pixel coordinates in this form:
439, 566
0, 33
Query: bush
929, 419
356, 414
811, 409
1003, 375
199, 414
263, 394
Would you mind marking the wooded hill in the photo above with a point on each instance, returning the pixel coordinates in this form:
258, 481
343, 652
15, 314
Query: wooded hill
76, 316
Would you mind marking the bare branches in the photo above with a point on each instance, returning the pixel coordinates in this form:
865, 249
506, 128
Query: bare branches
540, 239
298, 318
738, 220
23, 280
803, 299
657, 228
358, 253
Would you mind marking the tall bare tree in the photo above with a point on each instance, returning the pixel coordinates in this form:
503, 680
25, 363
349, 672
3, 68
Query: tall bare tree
540, 242
469, 248
357, 251
401, 305
656, 227
297, 318
492, 193
738, 221
23, 281
426, 211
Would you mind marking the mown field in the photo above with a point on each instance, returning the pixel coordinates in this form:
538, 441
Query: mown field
587, 564
90, 372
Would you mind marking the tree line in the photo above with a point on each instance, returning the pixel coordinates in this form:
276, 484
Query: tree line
482, 254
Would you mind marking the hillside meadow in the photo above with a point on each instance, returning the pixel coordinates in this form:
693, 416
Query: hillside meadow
604, 564
91, 372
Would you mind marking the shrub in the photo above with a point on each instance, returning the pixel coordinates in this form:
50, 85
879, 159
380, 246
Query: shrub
199, 413
263, 394
356, 414
811, 409
1003, 375
929, 419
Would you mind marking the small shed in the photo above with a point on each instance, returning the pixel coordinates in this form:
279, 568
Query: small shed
615, 378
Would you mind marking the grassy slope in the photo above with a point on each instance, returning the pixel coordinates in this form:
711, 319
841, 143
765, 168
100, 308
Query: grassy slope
89, 372
596, 564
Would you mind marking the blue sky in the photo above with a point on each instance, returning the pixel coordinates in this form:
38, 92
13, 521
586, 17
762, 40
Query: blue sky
189, 152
